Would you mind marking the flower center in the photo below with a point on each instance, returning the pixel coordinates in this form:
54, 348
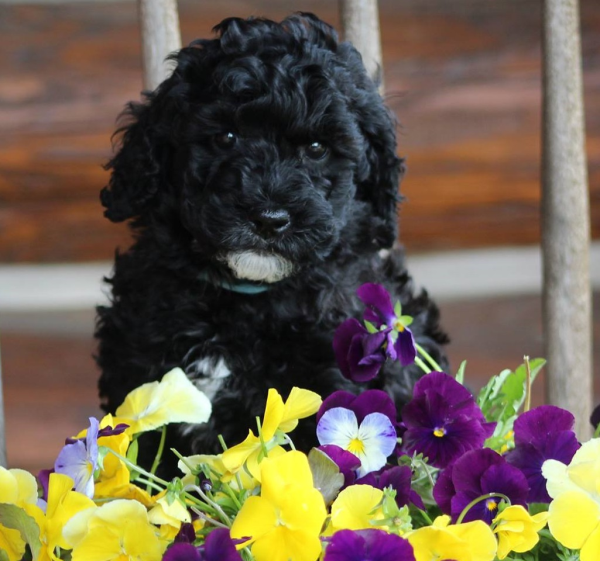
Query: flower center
356, 446
439, 432
398, 326
491, 505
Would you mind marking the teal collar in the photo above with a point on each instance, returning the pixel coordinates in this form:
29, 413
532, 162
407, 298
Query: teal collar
241, 287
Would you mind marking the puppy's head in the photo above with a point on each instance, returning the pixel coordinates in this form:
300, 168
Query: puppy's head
265, 149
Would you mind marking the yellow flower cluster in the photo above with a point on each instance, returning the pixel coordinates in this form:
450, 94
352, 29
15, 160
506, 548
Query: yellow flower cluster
135, 526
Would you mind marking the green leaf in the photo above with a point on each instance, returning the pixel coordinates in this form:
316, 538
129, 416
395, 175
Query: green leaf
326, 474
14, 517
3, 555
370, 327
460, 374
398, 309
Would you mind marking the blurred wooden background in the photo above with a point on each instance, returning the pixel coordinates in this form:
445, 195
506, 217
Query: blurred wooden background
463, 77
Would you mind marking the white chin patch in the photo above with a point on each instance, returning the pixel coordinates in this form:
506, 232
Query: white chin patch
254, 266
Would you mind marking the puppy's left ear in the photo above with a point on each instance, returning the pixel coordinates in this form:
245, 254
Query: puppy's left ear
381, 169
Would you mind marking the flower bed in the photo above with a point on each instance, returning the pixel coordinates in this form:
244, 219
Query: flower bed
459, 478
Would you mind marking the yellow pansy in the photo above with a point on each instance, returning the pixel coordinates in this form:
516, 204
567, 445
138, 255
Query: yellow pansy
19, 488
172, 400
356, 508
279, 416
574, 519
63, 505
284, 522
517, 530
473, 541
116, 530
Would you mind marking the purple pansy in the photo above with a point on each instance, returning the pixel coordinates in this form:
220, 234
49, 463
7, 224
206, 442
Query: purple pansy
218, 547
475, 474
348, 463
544, 433
368, 545
79, 460
380, 312
359, 354
398, 478
443, 421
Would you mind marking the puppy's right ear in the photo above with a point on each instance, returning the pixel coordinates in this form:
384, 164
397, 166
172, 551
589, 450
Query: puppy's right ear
136, 168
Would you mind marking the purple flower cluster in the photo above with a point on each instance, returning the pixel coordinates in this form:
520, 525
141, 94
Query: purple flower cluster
443, 421
360, 353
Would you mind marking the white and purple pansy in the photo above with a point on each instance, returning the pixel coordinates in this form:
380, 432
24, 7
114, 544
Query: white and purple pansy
371, 441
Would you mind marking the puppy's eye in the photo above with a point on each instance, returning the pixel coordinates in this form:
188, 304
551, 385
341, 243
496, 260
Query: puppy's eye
316, 151
226, 140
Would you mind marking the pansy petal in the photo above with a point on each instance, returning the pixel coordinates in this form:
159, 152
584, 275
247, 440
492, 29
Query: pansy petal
339, 398
342, 339
175, 399
379, 439
220, 547
373, 401
182, 552
254, 520
337, 426
299, 405
591, 547
276, 473
378, 299
573, 518
405, 347
539, 422
233, 458
273, 414
354, 508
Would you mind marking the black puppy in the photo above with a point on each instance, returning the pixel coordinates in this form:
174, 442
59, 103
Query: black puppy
262, 178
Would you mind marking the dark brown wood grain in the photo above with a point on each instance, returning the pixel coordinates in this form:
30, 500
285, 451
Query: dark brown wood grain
463, 78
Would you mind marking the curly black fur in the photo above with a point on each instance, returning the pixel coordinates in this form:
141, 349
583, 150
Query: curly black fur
223, 143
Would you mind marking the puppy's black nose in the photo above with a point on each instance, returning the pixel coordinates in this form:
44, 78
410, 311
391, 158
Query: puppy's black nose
269, 223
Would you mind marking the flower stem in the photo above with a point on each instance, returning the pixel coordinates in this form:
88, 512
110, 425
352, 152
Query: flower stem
150, 485
422, 365
478, 500
208, 518
436, 367
263, 446
527, 385
159, 453
213, 504
138, 469
425, 516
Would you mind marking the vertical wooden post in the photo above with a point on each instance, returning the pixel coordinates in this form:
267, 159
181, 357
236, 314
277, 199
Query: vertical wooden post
3, 457
360, 26
159, 24
565, 217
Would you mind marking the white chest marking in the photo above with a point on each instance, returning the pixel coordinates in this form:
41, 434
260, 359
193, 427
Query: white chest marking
208, 374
